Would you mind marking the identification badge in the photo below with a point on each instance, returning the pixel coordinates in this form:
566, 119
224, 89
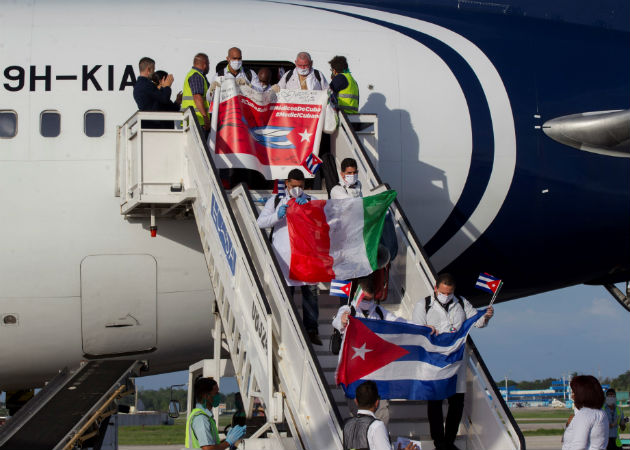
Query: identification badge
453, 329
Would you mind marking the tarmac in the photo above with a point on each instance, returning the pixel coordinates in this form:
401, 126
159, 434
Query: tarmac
532, 443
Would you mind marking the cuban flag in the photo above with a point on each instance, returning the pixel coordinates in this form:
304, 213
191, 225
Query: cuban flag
340, 288
404, 360
280, 188
488, 283
312, 163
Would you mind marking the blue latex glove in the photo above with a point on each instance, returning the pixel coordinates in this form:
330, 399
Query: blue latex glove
235, 434
282, 211
302, 199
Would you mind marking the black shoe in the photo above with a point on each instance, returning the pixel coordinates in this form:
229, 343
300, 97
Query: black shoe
453, 447
314, 337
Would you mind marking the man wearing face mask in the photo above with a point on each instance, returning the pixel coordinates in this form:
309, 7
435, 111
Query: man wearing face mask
235, 70
349, 185
273, 216
303, 76
201, 428
616, 420
195, 88
445, 313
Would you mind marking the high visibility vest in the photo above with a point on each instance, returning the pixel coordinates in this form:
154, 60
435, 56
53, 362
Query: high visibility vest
190, 434
618, 411
187, 96
348, 98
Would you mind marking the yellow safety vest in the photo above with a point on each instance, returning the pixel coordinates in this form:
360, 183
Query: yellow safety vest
618, 411
187, 96
348, 98
190, 435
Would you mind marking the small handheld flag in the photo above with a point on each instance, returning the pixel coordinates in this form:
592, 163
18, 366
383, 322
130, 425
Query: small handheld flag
487, 282
340, 288
312, 163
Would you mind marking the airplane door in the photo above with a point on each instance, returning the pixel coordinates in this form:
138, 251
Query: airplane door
118, 304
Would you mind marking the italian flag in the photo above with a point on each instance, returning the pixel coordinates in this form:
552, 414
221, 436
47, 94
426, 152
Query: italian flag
336, 239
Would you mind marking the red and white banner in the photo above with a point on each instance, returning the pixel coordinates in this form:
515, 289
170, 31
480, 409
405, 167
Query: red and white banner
264, 131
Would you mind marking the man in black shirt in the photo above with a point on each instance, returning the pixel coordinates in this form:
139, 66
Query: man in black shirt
145, 92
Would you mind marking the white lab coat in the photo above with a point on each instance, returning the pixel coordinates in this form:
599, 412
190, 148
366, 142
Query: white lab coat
368, 306
311, 81
280, 240
438, 317
587, 431
341, 190
241, 74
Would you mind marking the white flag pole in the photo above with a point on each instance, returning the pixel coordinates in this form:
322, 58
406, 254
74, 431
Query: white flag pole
494, 296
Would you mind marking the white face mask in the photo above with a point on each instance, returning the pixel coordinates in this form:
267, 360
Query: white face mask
303, 72
611, 401
296, 191
350, 179
236, 64
443, 298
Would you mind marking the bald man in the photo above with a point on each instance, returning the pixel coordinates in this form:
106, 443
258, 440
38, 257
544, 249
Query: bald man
195, 88
235, 70
303, 76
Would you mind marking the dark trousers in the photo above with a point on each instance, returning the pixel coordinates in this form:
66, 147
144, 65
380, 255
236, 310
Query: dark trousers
612, 444
444, 434
310, 308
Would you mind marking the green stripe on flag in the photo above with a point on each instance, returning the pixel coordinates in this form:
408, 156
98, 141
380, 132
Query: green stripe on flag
374, 209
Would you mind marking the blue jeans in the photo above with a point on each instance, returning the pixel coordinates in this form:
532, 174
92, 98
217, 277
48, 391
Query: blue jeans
310, 308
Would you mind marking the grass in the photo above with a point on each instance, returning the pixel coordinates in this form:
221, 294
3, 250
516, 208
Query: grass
542, 414
160, 434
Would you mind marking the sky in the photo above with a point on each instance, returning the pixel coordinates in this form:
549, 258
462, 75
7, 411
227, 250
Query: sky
578, 329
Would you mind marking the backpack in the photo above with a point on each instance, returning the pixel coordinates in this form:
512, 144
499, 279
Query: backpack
318, 75
335, 340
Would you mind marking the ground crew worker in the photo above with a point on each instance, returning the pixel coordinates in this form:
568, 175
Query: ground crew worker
303, 76
349, 185
344, 86
195, 89
445, 313
273, 216
616, 420
201, 428
364, 431
235, 70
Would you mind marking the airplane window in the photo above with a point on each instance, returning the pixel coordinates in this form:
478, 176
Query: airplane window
8, 124
94, 124
50, 124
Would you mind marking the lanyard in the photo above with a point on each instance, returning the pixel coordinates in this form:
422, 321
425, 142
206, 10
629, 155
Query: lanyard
452, 328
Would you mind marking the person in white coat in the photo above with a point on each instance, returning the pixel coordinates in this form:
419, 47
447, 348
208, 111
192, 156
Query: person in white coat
446, 313
234, 70
588, 428
273, 216
303, 76
369, 309
349, 185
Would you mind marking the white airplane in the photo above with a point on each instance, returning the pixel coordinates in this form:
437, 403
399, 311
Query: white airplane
457, 111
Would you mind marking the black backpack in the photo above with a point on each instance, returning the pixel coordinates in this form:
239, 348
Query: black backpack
335, 340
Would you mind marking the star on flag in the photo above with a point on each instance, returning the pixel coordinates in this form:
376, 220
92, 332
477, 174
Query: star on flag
305, 135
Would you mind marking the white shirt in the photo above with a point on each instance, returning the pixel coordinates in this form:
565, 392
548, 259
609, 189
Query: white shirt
378, 438
366, 306
280, 240
241, 74
311, 81
587, 431
444, 320
342, 190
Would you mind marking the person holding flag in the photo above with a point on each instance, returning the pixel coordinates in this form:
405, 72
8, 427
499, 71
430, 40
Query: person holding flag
445, 312
365, 306
274, 216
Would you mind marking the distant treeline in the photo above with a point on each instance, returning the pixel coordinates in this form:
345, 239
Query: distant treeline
620, 383
158, 400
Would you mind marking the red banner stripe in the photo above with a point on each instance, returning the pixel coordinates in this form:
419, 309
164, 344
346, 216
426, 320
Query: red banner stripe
310, 242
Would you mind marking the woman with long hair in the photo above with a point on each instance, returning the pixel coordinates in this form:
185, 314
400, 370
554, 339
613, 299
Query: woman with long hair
588, 429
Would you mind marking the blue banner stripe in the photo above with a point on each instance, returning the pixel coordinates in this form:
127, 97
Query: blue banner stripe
417, 353
409, 389
443, 339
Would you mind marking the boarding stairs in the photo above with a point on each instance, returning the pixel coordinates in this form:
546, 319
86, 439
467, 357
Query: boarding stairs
167, 174
73, 409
